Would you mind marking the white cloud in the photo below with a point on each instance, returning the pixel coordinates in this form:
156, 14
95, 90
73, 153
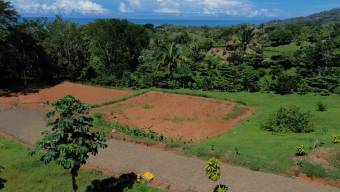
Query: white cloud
168, 7
209, 7
227, 7
66, 7
129, 5
167, 10
122, 7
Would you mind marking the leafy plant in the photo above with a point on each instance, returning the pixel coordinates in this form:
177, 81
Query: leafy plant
336, 139
14, 103
221, 188
213, 169
321, 107
300, 150
213, 172
70, 142
315, 144
147, 106
289, 119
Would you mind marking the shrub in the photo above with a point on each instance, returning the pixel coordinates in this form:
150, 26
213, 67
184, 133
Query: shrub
289, 119
213, 169
321, 107
336, 139
301, 150
213, 172
221, 188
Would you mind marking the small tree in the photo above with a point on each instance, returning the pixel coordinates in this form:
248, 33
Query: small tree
70, 142
213, 172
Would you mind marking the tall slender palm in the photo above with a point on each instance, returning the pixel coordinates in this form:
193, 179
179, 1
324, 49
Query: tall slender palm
247, 37
170, 58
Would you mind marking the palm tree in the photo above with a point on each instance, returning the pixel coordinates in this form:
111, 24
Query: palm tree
170, 58
247, 37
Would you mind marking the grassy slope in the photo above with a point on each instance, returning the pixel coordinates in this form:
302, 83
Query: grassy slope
262, 150
26, 173
286, 50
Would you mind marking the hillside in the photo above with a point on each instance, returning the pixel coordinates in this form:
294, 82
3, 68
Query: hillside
323, 17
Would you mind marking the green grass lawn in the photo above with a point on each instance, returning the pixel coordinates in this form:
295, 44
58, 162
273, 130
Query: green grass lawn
250, 146
25, 173
286, 50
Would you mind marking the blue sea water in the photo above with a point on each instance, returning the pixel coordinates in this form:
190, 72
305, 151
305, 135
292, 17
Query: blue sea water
180, 22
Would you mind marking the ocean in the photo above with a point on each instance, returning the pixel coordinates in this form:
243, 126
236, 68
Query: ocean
180, 22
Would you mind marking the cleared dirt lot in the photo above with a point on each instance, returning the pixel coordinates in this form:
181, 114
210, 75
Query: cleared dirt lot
176, 116
85, 93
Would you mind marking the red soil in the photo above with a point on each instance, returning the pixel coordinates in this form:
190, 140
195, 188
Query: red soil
86, 94
319, 181
175, 116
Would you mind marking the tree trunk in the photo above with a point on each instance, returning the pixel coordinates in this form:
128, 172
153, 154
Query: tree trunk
74, 173
74, 184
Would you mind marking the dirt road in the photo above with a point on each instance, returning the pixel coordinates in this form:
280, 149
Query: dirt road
177, 171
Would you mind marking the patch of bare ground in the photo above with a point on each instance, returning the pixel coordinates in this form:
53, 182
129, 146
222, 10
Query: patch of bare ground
176, 116
37, 99
319, 181
321, 157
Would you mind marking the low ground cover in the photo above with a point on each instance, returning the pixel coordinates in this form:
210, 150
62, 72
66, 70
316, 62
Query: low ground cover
25, 173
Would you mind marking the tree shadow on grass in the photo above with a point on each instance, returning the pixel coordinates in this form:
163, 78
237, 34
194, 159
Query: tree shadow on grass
2, 183
113, 184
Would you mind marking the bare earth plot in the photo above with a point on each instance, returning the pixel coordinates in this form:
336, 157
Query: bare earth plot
177, 116
177, 171
86, 94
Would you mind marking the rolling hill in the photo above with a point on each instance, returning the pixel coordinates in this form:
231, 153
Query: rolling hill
323, 17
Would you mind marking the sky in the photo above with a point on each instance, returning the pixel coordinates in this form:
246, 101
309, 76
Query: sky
173, 9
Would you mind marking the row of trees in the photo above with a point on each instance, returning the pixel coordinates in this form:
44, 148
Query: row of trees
118, 53
244, 62
38, 51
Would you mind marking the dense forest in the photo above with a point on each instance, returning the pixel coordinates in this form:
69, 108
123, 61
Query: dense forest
283, 58
324, 17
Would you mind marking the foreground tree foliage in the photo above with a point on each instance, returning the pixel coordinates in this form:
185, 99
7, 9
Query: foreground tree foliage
8, 16
71, 141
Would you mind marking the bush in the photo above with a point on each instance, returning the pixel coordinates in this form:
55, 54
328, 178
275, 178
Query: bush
321, 107
301, 150
221, 188
289, 119
213, 169
336, 139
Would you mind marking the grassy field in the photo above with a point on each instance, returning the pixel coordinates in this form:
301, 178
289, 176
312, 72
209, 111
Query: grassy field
248, 145
25, 173
285, 50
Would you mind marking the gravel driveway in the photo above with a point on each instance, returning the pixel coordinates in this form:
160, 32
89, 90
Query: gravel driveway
177, 171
